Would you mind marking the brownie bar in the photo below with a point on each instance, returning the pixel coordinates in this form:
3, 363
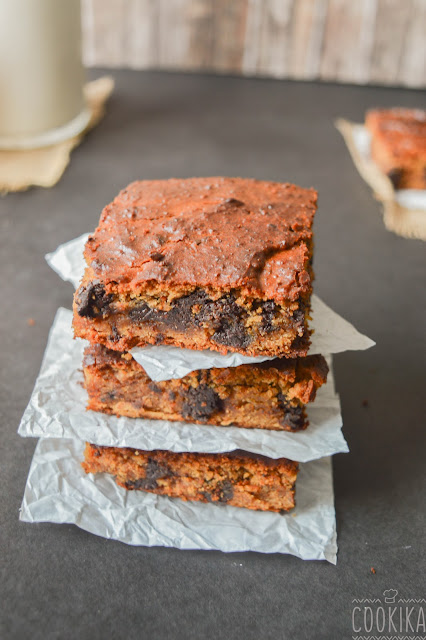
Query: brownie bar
202, 263
270, 395
238, 478
398, 145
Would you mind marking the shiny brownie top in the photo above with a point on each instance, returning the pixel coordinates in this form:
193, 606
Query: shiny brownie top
219, 232
403, 129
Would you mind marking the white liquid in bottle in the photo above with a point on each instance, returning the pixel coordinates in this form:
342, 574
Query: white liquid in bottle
41, 72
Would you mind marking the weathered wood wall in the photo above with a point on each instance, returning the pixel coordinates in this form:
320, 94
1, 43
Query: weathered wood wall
357, 41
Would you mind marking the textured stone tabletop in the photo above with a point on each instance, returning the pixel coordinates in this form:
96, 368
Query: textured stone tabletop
57, 581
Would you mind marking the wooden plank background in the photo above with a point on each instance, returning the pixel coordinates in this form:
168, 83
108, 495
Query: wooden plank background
356, 41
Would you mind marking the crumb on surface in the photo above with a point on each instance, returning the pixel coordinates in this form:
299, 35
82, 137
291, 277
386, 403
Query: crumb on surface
30, 322
365, 403
372, 569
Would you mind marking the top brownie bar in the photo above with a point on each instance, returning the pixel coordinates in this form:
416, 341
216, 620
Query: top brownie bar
218, 263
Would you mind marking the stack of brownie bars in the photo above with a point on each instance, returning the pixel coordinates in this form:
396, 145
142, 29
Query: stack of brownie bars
207, 263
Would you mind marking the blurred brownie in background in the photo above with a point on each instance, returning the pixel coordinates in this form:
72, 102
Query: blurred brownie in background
398, 145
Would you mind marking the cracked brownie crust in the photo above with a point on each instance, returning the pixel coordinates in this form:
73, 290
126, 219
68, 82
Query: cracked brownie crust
238, 478
398, 145
219, 263
270, 395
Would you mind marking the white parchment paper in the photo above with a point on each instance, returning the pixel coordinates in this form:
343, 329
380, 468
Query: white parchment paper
58, 490
409, 198
57, 409
68, 260
332, 334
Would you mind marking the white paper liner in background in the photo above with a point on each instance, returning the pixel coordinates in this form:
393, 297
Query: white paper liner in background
58, 490
57, 409
332, 334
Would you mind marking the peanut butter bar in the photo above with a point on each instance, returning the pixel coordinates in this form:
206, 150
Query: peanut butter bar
201, 263
269, 395
238, 478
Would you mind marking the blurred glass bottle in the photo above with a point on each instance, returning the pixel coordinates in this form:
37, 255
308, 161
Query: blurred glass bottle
41, 73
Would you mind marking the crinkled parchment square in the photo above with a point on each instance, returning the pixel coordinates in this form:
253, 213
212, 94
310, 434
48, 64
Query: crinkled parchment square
57, 409
59, 491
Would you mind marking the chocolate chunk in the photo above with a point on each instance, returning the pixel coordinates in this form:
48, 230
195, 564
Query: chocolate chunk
154, 387
293, 418
92, 301
200, 402
226, 317
157, 256
232, 334
143, 313
292, 415
234, 202
395, 176
223, 492
268, 314
180, 316
213, 311
226, 491
115, 335
299, 315
153, 471
109, 396
300, 343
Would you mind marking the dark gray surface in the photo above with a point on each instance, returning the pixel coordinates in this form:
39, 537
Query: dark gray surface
60, 582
